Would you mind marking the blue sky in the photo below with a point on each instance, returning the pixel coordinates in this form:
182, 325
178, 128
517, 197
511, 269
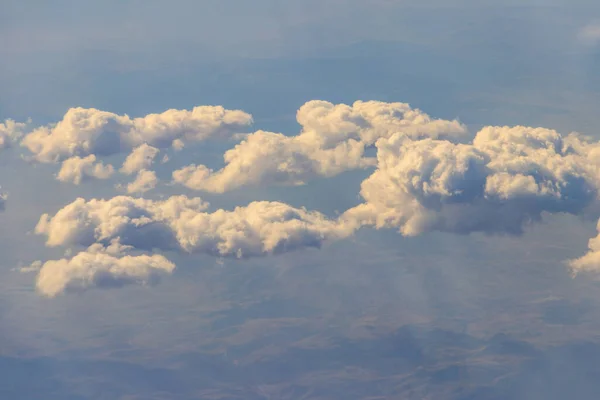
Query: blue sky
447, 313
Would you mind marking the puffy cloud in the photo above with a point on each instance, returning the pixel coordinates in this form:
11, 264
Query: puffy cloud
77, 169
589, 262
86, 222
178, 145
333, 140
144, 181
506, 178
140, 158
181, 223
114, 248
368, 121
83, 131
10, 131
266, 157
99, 268
425, 180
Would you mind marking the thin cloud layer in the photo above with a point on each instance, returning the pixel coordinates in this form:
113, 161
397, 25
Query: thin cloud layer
97, 267
87, 131
333, 140
507, 177
590, 33
181, 223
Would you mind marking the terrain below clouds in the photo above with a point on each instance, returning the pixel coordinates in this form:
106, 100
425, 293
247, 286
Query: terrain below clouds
410, 363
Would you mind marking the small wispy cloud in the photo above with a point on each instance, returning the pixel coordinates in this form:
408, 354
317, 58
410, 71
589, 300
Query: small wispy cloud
590, 33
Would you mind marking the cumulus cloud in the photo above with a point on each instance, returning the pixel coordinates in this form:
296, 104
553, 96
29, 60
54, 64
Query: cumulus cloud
77, 169
333, 140
182, 223
266, 157
589, 262
142, 157
507, 177
427, 177
86, 131
11, 131
98, 267
368, 121
144, 181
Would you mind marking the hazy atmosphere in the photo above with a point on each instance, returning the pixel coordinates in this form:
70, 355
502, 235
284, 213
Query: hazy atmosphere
335, 199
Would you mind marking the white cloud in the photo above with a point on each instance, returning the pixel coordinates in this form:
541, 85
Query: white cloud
272, 158
77, 169
11, 131
426, 179
114, 248
368, 121
144, 181
83, 131
505, 179
142, 157
589, 262
178, 145
333, 140
181, 223
95, 268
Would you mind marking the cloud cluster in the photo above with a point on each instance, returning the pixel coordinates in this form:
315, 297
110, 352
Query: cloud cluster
333, 140
427, 177
507, 177
86, 134
87, 131
182, 223
99, 267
